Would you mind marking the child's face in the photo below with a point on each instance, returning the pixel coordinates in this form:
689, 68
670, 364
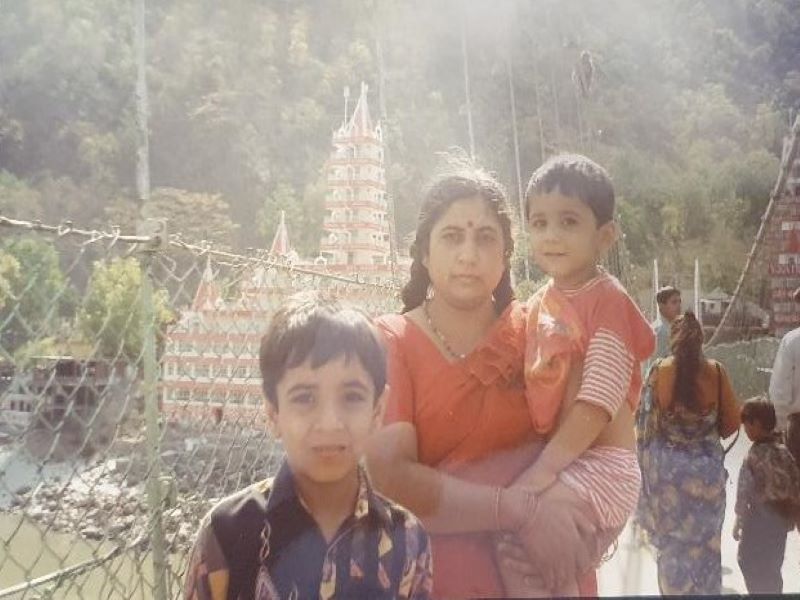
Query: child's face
566, 242
754, 430
324, 417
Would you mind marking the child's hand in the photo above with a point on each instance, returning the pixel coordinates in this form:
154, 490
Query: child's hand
540, 480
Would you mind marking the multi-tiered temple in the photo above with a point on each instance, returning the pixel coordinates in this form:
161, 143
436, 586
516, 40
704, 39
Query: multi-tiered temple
356, 232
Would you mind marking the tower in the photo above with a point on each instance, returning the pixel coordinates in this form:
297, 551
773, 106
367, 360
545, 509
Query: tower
355, 239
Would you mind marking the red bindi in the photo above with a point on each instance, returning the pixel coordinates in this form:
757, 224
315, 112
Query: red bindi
470, 224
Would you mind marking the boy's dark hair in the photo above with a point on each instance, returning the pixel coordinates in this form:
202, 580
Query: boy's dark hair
665, 293
310, 326
759, 410
577, 176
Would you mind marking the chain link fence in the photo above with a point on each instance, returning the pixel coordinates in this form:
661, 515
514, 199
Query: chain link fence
129, 401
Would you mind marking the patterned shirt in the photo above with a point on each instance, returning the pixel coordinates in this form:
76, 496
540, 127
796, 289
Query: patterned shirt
262, 544
769, 474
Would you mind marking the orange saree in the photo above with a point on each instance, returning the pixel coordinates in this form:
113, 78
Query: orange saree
463, 412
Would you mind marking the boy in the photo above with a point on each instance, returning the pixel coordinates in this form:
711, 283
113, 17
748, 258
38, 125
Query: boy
584, 335
317, 530
767, 496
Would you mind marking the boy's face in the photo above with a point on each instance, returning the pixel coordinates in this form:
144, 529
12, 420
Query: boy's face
324, 417
754, 430
566, 242
671, 307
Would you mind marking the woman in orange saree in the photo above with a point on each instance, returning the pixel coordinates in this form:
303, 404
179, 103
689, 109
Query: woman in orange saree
458, 436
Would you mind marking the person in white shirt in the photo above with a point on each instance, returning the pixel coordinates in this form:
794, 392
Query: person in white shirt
784, 386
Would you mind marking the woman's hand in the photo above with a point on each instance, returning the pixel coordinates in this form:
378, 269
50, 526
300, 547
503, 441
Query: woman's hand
560, 538
520, 579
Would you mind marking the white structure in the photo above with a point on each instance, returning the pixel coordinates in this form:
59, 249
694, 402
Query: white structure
355, 236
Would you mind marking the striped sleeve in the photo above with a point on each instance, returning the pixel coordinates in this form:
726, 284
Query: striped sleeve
607, 372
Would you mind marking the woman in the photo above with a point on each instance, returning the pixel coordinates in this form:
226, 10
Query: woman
693, 406
458, 432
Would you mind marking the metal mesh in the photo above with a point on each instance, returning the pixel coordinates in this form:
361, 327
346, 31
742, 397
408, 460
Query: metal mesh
129, 401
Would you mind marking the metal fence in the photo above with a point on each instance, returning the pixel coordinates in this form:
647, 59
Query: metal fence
129, 400
130, 403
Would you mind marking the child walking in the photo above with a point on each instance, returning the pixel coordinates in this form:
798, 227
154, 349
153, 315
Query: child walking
585, 340
317, 530
767, 497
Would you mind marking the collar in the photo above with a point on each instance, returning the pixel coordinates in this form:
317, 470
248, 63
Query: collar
602, 274
772, 438
368, 503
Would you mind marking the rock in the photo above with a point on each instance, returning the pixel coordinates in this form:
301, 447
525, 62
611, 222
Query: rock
92, 533
22, 490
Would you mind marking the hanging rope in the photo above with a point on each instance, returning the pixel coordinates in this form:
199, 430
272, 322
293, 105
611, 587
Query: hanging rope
775, 196
465, 56
515, 136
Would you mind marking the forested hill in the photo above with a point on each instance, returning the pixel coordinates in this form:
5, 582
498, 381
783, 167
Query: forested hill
686, 103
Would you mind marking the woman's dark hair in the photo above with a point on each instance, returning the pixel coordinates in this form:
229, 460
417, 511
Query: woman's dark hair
462, 180
686, 342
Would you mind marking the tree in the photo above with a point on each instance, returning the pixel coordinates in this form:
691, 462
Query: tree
18, 200
197, 217
35, 291
111, 315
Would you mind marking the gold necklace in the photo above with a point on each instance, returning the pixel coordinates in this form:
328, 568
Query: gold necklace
440, 335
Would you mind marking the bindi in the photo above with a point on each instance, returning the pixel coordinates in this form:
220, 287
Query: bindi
470, 224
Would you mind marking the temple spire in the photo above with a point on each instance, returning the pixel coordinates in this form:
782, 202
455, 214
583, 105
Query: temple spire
280, 243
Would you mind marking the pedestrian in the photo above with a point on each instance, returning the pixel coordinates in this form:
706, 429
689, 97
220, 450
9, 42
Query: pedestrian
784, 387
767, 496
694, 406
668, 300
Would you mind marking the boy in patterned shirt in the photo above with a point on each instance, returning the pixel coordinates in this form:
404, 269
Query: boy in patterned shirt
767, 499
317, 530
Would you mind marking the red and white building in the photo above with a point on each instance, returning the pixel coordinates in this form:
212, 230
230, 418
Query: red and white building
783, 242
355, 239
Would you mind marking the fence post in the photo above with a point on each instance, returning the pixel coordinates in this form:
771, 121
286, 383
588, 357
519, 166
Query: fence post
153, 432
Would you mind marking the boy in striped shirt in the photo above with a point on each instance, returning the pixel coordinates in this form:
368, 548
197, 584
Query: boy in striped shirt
585, 342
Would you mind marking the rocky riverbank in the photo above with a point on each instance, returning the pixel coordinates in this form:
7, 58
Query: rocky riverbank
105, 497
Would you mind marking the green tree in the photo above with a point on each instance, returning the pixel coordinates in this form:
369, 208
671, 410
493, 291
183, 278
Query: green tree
197, 217
35, 292
111, 316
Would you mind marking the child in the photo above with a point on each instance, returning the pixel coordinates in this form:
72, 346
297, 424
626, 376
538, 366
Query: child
317, 530
766, 500
582, 322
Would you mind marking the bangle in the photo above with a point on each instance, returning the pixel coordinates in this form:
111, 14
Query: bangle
531, 504
497, 492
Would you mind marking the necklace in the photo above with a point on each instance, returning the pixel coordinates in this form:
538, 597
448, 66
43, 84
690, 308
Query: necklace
440, 335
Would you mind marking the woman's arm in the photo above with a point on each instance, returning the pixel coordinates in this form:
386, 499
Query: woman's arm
445, 503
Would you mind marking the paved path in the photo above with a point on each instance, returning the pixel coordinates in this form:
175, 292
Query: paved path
632, 570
